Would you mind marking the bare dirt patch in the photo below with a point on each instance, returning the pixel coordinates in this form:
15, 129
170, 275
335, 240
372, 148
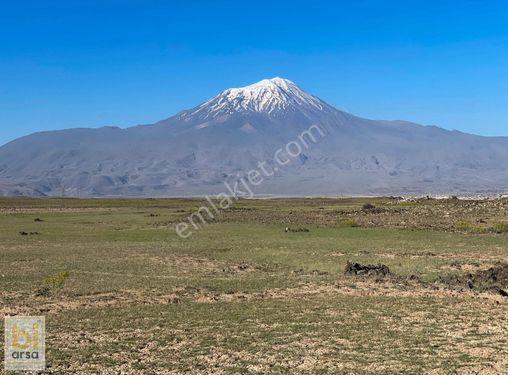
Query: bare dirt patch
195, 265
16, 304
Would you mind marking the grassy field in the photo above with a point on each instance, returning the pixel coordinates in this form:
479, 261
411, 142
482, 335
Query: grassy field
122, 293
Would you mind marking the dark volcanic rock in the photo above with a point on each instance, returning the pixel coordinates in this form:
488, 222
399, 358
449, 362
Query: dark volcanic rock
358, 269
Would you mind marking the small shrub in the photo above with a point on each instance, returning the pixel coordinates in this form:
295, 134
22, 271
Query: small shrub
408, 203
52, 284
470, 228
348, 223
500, 228
368, 206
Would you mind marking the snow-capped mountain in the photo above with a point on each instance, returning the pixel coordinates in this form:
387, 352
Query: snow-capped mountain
196, 151
276, 96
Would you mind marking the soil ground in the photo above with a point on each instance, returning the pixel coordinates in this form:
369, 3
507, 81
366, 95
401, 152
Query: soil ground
262, 287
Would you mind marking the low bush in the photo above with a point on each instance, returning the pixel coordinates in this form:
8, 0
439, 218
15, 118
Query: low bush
500, 228
348, 223
368, 206
470, 228
52, 284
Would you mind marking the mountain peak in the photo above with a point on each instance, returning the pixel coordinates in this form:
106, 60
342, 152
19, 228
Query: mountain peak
275, 96
275, 82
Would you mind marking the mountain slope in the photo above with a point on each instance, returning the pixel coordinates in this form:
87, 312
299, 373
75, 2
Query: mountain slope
197, 150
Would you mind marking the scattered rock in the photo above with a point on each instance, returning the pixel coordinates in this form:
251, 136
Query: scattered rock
295, 230
498, 274
43, 291
23, 233
413, 278
319, 273
493, 279
357, 269
243, 267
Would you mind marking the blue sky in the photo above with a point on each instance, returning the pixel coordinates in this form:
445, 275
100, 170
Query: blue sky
94, 63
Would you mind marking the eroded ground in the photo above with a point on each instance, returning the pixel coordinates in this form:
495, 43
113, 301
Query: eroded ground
245, 295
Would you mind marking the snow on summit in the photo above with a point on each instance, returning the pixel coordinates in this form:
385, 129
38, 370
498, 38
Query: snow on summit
276, 95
